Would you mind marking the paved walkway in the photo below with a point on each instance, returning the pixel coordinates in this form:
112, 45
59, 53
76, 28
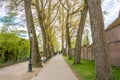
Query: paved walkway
57, 69
17, 72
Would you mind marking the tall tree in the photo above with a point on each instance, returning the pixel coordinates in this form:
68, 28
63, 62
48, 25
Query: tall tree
70, 10
41, 18
68, 40
100, 48
30, 26
45, 18
62, 25
77, 54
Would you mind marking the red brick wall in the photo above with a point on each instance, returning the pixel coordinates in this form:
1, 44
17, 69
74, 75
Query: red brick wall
113, 38
114, 49
113, 34
86, 53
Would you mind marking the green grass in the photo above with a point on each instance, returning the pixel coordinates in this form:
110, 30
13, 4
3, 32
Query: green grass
86, 70
116, 73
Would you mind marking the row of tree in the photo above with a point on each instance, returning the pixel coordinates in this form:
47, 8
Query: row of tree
53, 16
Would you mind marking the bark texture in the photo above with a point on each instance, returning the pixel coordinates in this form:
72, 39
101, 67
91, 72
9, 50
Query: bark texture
100, 48
30, 26
42, 26
77, 54
68, 40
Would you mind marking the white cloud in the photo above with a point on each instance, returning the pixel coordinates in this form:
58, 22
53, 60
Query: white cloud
112, 7
2, 12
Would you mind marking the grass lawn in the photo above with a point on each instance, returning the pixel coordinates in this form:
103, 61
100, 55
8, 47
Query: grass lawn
86, 70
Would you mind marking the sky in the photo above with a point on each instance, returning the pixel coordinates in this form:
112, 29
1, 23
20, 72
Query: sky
112, 7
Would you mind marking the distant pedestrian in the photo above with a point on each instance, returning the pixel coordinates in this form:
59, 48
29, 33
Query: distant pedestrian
59, 52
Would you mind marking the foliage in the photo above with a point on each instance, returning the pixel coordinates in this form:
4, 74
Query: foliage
9, 22
73, 44
9, 19
55, 41
86, 70
12, 47
85, 41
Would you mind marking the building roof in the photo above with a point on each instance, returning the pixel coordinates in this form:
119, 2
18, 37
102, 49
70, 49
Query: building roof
113, 24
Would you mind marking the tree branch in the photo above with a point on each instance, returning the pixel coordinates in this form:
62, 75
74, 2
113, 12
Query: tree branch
63, 5
77, 10
54, 16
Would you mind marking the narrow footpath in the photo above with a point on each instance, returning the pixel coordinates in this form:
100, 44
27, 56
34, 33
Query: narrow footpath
57, 69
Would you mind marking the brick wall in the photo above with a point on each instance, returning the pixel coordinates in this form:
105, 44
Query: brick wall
86, 53
113, 40
113, 34
114, 49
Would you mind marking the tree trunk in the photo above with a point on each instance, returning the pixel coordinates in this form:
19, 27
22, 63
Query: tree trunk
68, 37
36, 59
87, 56
49, 45
100, 48
77, 54
52, 48
41, 23
63, 31
83, 52
62, 39
63, 49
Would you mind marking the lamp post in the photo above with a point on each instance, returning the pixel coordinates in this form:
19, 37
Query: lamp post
30, 60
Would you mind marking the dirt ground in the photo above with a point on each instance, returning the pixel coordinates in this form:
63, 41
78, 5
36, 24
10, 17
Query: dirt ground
18, 72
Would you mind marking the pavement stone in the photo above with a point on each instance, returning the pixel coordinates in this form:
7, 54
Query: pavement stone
56, 69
